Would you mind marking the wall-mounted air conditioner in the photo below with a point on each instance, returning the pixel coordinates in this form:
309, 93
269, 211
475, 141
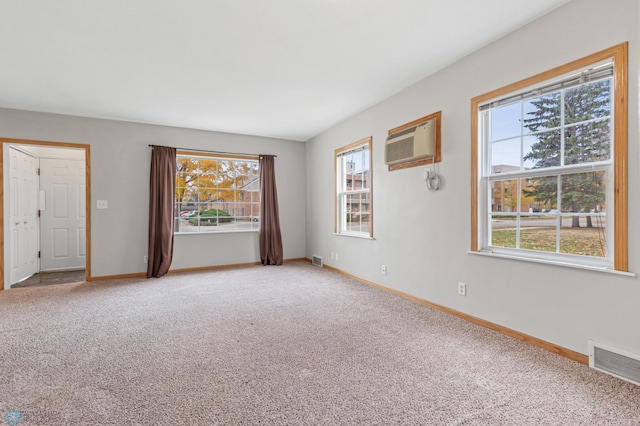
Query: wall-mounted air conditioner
414, 143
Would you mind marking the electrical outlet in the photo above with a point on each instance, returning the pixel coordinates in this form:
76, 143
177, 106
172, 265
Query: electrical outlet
384, 269
145, 259
333, 255
462, 289
336, 256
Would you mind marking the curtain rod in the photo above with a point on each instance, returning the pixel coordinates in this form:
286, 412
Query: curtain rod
215, 152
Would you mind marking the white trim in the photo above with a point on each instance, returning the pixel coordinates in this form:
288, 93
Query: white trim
364, 236
554, 263
243, 231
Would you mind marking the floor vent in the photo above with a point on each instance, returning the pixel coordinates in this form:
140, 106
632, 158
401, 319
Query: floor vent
620, 364
317, 260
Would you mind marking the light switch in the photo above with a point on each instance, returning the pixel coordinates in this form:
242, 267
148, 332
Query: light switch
102, 204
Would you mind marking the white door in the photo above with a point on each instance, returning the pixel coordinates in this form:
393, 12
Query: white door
23, 215
63, 229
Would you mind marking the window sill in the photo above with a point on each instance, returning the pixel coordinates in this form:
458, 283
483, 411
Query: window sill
553, 262
244, 231
362, 237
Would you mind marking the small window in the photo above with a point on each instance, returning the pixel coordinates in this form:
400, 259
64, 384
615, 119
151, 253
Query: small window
354, 190
216, 194
550, 165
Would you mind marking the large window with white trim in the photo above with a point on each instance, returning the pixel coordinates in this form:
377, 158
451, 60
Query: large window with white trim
548, 166
354, 190
216, 193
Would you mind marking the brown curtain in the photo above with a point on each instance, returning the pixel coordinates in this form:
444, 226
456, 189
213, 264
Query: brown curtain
161, 198
270, 238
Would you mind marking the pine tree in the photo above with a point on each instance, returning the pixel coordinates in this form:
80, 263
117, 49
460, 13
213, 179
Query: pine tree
587, 138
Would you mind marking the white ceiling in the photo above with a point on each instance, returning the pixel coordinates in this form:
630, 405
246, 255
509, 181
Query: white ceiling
281, 68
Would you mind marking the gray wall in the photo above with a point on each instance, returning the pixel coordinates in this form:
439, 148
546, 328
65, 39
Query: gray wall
424, 237
120, 161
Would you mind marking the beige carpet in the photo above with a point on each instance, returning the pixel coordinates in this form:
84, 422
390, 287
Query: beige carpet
290, 345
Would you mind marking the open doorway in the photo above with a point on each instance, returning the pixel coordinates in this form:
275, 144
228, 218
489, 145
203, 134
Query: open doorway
46, 215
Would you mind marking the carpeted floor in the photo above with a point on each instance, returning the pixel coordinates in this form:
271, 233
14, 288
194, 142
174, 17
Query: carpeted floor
290, 345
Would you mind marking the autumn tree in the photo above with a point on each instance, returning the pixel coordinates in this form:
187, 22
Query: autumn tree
202, 180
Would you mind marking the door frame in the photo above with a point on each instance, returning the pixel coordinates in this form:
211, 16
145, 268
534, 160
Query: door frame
87, 164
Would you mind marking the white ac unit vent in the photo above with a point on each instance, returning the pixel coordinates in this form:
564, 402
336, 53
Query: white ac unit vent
317, 260
620, 364
414, 143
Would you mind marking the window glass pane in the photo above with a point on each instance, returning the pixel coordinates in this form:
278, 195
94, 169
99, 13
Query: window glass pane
545, 150
242, 195
528, 203
588, 101
540, 194
186, 174
505, 122
504, 195
193, 221
226, 167
538, 232
365, 213
346, 169
186, 165
587, 142
207, 195
362, 170
255, 213
242, 211
357, 216
241, 180
226, 179
505, 156
207, 170
583, 230
543, 113
352, 210
583, 241
349, 182
189, 195
538, 229
364, 223
527, 149
583, 192
356, 170
503, 231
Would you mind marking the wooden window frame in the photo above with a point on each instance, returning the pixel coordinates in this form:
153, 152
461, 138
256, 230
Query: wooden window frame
619, 54
336, 230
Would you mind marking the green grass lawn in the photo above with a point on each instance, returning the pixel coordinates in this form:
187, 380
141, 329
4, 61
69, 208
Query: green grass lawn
582, 241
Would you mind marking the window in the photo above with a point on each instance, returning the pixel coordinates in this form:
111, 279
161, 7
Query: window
353, 190
216, 194
549, 156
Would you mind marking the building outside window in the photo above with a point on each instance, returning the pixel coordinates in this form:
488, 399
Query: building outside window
216, 193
